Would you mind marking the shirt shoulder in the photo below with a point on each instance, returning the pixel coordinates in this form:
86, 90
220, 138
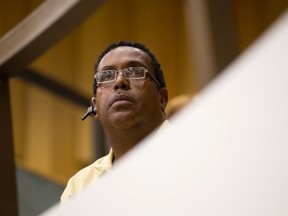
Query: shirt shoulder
86, 176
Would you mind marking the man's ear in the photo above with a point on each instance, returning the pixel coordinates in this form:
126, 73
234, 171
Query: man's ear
163, 99
93, 103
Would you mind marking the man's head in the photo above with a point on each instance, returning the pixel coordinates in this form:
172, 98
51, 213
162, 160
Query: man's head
129, 87
155, 64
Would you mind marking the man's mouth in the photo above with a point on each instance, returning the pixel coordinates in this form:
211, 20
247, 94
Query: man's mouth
121, 99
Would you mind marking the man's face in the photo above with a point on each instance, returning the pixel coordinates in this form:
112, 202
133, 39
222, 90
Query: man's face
125, 103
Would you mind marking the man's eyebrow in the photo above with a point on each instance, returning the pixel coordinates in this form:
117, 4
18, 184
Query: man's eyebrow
107, 67
132, 63
135, 63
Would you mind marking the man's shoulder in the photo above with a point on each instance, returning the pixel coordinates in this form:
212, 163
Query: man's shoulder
96, 168
86, 176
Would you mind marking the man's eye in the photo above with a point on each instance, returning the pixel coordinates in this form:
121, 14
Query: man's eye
107, 75
132, 72
136, 72
128, 71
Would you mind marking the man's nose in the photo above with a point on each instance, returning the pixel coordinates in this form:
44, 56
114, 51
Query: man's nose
121, 82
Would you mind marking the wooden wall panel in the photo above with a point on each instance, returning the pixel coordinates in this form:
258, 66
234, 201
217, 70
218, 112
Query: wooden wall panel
253, 17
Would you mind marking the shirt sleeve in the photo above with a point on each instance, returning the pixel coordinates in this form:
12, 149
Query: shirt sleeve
67, 193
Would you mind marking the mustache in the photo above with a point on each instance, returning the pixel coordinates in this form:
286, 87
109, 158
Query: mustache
121, 96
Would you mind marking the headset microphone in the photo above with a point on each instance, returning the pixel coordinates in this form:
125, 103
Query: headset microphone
90, 111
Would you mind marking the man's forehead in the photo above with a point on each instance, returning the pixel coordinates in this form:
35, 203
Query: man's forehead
124, 53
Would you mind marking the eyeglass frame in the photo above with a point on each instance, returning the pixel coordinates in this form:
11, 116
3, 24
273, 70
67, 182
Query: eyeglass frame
146, 71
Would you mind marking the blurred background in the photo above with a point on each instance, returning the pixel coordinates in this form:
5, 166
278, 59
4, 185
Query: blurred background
194, 40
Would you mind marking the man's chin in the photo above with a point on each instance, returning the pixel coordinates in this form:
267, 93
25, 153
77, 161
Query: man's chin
123, 119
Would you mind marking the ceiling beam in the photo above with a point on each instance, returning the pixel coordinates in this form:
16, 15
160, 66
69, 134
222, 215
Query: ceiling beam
50, 22
55, 87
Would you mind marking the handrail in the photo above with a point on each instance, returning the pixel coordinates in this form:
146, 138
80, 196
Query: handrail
52, 20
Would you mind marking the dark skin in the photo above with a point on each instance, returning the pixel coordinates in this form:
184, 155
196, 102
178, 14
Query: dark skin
128, 110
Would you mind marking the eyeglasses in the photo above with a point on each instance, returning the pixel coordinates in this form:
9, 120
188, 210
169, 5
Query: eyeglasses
131, 73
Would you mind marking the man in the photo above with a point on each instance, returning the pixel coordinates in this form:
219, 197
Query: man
130, 97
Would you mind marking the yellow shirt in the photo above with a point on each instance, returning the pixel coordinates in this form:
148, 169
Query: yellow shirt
91, 173
87, 175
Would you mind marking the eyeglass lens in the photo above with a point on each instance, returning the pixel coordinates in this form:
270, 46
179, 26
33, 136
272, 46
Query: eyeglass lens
129, 73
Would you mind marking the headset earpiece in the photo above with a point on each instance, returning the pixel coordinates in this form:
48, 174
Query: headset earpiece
90, 111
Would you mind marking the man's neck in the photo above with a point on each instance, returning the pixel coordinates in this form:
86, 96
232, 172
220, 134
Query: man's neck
122, 141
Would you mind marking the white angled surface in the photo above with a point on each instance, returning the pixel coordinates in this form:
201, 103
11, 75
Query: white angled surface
225, 155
